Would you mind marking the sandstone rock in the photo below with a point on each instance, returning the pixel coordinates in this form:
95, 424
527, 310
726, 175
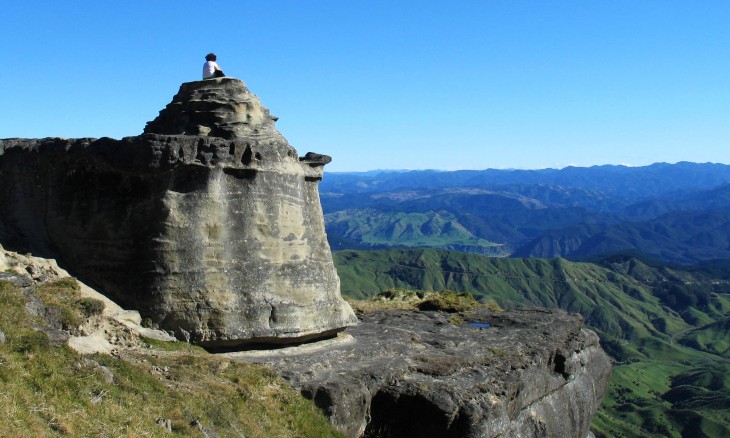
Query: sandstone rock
533, 373
92, 344
221, 107
208, 223
3, 260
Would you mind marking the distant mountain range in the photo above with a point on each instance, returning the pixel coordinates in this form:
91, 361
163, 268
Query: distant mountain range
630, 183
673, 212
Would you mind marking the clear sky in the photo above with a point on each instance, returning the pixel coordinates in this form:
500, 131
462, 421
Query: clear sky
392, 84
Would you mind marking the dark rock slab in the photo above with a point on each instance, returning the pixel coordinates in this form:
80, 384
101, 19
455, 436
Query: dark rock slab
533, 373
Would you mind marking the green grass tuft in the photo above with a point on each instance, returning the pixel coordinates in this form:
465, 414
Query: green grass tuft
403, 299
449, 301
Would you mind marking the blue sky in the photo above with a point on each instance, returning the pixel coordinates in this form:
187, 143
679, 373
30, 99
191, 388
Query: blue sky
392, 84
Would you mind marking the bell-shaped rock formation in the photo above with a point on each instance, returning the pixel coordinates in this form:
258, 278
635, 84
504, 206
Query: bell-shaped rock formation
208, 223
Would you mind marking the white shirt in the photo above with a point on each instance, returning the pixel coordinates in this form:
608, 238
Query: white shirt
209, 68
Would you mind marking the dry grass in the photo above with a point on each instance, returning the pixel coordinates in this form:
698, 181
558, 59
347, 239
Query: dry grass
401, 299
369, 306
50, 391
65, 295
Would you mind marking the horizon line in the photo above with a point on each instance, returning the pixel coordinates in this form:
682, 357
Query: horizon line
510, 169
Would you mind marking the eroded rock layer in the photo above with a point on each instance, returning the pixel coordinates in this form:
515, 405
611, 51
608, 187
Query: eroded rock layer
209, 223
532, 373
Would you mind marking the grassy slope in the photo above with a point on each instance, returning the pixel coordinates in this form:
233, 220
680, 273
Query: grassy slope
641, 321
666, 398
46, 390
712, 338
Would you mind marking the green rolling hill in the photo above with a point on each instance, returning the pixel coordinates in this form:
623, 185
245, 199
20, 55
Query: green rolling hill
712, 338
372, 228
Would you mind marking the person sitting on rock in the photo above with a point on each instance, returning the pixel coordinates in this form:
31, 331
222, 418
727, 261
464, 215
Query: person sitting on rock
210, 68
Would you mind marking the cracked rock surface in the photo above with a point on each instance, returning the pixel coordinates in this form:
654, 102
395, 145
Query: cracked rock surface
532, 373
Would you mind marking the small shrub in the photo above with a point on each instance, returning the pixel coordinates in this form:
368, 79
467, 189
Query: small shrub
65, 296
69, 283
498, 352
91, 307
402, 295
456, 320
30, 342
403, 299
367, 306
449, 301
494, 307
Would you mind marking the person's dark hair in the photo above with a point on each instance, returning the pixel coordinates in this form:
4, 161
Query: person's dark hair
210, 57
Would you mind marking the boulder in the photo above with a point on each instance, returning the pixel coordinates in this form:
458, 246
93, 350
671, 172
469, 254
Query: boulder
208, 223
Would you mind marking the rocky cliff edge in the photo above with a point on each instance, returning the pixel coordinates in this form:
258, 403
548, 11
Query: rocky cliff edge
522, 373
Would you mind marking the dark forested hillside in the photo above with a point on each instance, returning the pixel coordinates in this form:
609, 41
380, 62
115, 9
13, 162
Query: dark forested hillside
679, 236
702, 200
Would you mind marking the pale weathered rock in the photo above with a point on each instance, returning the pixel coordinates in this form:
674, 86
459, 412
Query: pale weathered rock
3, 260
221, 107
218, 238
533, 373
205, 431
164, 423
92, 344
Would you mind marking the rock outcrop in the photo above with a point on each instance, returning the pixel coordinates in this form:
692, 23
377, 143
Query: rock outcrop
532, 373
209, 223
